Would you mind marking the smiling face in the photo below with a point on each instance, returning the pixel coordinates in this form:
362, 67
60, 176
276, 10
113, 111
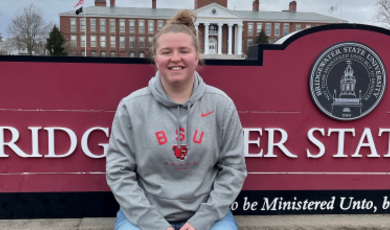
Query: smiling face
176, 59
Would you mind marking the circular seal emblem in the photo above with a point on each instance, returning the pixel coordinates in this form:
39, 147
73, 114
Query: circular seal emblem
347, 81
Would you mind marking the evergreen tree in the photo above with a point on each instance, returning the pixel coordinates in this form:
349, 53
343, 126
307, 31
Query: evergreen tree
262, 38
55, 42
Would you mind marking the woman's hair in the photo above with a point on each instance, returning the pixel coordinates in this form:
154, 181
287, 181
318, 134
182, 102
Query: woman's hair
182, 22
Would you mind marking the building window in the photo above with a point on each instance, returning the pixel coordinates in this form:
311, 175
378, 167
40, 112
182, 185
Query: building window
250, 42
73, 53
82, 25
132, 42
132, 54
151, 27
141, 54
122, 26
93, 53
93, 41
268, 29
297, 26
103, 54
112, 41
141, 42
102, 41
82, 41
277, 29
103, 25
132, 26
93, 24
141, 26
83, 53
160, 25
72, 24
112, 25
122, 42
150, 41
259, 27
250, 29
285, 29
112, 54
73, 40
308, 25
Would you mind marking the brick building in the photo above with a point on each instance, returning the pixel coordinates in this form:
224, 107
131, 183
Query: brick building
128, 31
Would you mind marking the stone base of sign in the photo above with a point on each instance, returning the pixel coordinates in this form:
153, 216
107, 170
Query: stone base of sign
285, 222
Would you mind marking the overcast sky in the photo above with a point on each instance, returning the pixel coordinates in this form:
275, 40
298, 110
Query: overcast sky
354, 11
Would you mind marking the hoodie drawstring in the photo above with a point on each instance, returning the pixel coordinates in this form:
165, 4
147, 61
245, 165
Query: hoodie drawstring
188, 125
178, 126
188, 131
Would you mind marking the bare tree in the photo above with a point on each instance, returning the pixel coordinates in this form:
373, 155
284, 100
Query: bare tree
382, 15
29, 27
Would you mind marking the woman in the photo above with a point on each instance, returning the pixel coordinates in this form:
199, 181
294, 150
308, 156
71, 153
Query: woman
175, 157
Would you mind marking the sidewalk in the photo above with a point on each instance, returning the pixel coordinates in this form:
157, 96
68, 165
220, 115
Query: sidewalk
287, 222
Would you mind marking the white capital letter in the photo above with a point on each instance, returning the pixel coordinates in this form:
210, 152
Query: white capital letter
84, 142
316, 142
73, 142
247, 142
380, 134
371, 144
340, 146
271, 143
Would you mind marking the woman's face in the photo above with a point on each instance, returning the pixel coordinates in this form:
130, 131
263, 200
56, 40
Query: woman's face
176, 58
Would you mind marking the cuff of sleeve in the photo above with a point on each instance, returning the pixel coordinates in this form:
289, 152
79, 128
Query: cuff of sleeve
204, 218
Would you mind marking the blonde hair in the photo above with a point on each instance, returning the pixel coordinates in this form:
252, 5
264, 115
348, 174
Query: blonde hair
182, 22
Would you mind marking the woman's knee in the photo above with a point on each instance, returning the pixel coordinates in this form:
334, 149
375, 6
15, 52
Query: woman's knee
226, 223
122, 223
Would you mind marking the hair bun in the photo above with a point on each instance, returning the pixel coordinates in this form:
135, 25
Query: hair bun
184, 17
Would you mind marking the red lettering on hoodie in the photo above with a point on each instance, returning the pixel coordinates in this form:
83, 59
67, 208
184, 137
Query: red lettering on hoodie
161, 137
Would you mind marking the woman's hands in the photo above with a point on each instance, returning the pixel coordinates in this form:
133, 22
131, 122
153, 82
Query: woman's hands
187, 226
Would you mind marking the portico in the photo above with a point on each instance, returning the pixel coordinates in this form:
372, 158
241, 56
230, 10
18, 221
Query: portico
220, 30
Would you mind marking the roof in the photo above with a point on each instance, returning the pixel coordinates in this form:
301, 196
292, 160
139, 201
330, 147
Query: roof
122, 12
138, 12
286, 16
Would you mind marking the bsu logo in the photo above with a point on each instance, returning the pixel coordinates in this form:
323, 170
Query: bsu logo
180, 153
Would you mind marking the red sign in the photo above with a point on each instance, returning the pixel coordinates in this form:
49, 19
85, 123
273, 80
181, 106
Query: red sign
56, 117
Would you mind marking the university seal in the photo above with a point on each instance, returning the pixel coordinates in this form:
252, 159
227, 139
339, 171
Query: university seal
347, 81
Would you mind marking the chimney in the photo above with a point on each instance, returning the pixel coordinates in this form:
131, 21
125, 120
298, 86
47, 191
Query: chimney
292, 7
112, 3
100, 3
154, 4
255, 5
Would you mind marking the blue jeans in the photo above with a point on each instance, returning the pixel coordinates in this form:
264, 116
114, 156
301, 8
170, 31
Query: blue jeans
226, 223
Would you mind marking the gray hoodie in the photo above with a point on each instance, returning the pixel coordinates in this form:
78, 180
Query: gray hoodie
157, 177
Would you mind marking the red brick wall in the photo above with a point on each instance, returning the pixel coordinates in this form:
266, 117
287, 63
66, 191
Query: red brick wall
201, 3
65, 29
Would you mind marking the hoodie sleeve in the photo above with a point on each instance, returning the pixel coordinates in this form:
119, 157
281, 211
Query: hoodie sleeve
122, 178
231, 175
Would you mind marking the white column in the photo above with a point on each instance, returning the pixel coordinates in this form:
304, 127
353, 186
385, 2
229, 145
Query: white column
220, 38
235, 39
239, 44
197, 29
206, 38
230, 39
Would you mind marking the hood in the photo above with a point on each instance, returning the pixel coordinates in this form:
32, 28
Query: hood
158, 92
